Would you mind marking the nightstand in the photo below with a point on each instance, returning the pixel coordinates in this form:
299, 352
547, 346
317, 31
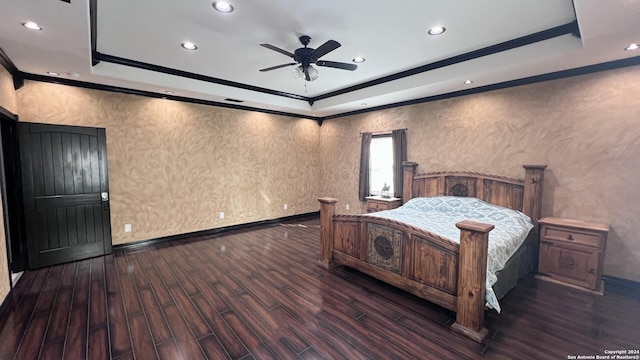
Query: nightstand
378, 203
572, 253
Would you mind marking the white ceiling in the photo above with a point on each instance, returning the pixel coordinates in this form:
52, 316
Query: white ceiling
391, 39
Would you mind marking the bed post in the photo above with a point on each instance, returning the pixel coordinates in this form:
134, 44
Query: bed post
409, 171
472, 275
532, 198
327, 210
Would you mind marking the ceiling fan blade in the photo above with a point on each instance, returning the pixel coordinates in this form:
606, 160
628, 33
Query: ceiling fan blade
278, 67
274, 48
306, 73
324, 49
337, 65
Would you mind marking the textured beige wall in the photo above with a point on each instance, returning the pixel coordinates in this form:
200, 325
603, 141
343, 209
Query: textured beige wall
586, 128
174, 166
8, 100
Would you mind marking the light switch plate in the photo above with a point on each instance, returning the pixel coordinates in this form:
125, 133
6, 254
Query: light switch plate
127, 228
222, 215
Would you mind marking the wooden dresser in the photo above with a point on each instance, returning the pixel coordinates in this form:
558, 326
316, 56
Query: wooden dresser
378, 203
572, 253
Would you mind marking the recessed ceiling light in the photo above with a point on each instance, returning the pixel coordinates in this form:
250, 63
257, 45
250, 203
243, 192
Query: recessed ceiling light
223, 6
74, 74
468, 82
53, 73
358, 59
169, 92
31, 25
437, 30
633, 46
364, 104
189, 45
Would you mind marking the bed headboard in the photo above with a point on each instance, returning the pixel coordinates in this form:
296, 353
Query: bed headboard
523, 195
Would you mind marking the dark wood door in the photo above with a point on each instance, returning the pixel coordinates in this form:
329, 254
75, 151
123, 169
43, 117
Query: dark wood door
65, 193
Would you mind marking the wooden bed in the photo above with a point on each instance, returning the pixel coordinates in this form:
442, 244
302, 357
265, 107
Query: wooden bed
449, 274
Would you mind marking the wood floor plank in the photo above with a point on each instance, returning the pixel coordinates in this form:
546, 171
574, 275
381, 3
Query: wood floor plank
76, 341
159, 328
143, 346
130, 298
228, 339
159, 288
81, 288
49, 290
32, 342
212, 348
168, 350
60, 316
52, 350
13, 329
240, 328
209, 292
98, 347
118, 326
186, 342
194, 320
98, 305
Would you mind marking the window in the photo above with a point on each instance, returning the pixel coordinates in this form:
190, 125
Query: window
381, 164
381, 158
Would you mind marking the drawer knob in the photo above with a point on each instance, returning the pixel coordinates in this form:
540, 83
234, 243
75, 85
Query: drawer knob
569, 237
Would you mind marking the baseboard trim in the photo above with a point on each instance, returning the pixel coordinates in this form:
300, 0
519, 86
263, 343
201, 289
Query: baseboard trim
620, 284
209, 232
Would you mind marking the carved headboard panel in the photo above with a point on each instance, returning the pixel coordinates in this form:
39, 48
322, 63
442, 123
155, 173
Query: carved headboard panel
523, 195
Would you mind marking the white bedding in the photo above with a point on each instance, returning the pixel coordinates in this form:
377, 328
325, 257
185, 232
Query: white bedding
440, 214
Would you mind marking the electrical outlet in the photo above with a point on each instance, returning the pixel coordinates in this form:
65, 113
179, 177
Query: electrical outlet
127, 228
347, 206
222, 215
286, 206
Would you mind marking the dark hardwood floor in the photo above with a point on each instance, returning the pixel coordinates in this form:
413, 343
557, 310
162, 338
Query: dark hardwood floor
258, 294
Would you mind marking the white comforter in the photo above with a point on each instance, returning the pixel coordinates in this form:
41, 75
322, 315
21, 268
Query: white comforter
440, 214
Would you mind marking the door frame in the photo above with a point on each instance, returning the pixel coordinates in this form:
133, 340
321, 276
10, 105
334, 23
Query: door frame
12, 210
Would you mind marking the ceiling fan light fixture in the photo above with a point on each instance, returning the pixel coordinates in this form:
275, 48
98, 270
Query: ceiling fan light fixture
358, 59
32, 26
223, 6
437, 30
633, 46
188, 45
298, 73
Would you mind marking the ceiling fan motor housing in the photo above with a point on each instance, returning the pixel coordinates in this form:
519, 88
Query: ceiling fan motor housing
303, 56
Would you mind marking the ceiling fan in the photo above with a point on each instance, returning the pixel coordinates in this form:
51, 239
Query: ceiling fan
305, 56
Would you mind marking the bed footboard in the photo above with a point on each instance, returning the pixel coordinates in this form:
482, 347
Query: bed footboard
434, 268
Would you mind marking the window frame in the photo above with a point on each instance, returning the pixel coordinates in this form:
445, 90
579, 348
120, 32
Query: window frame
378, 192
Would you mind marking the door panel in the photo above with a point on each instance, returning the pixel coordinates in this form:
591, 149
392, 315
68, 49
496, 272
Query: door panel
64, 172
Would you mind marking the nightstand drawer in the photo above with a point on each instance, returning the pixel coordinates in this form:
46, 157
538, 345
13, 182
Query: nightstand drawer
377, 203
570, 264
573, 236
376, 206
